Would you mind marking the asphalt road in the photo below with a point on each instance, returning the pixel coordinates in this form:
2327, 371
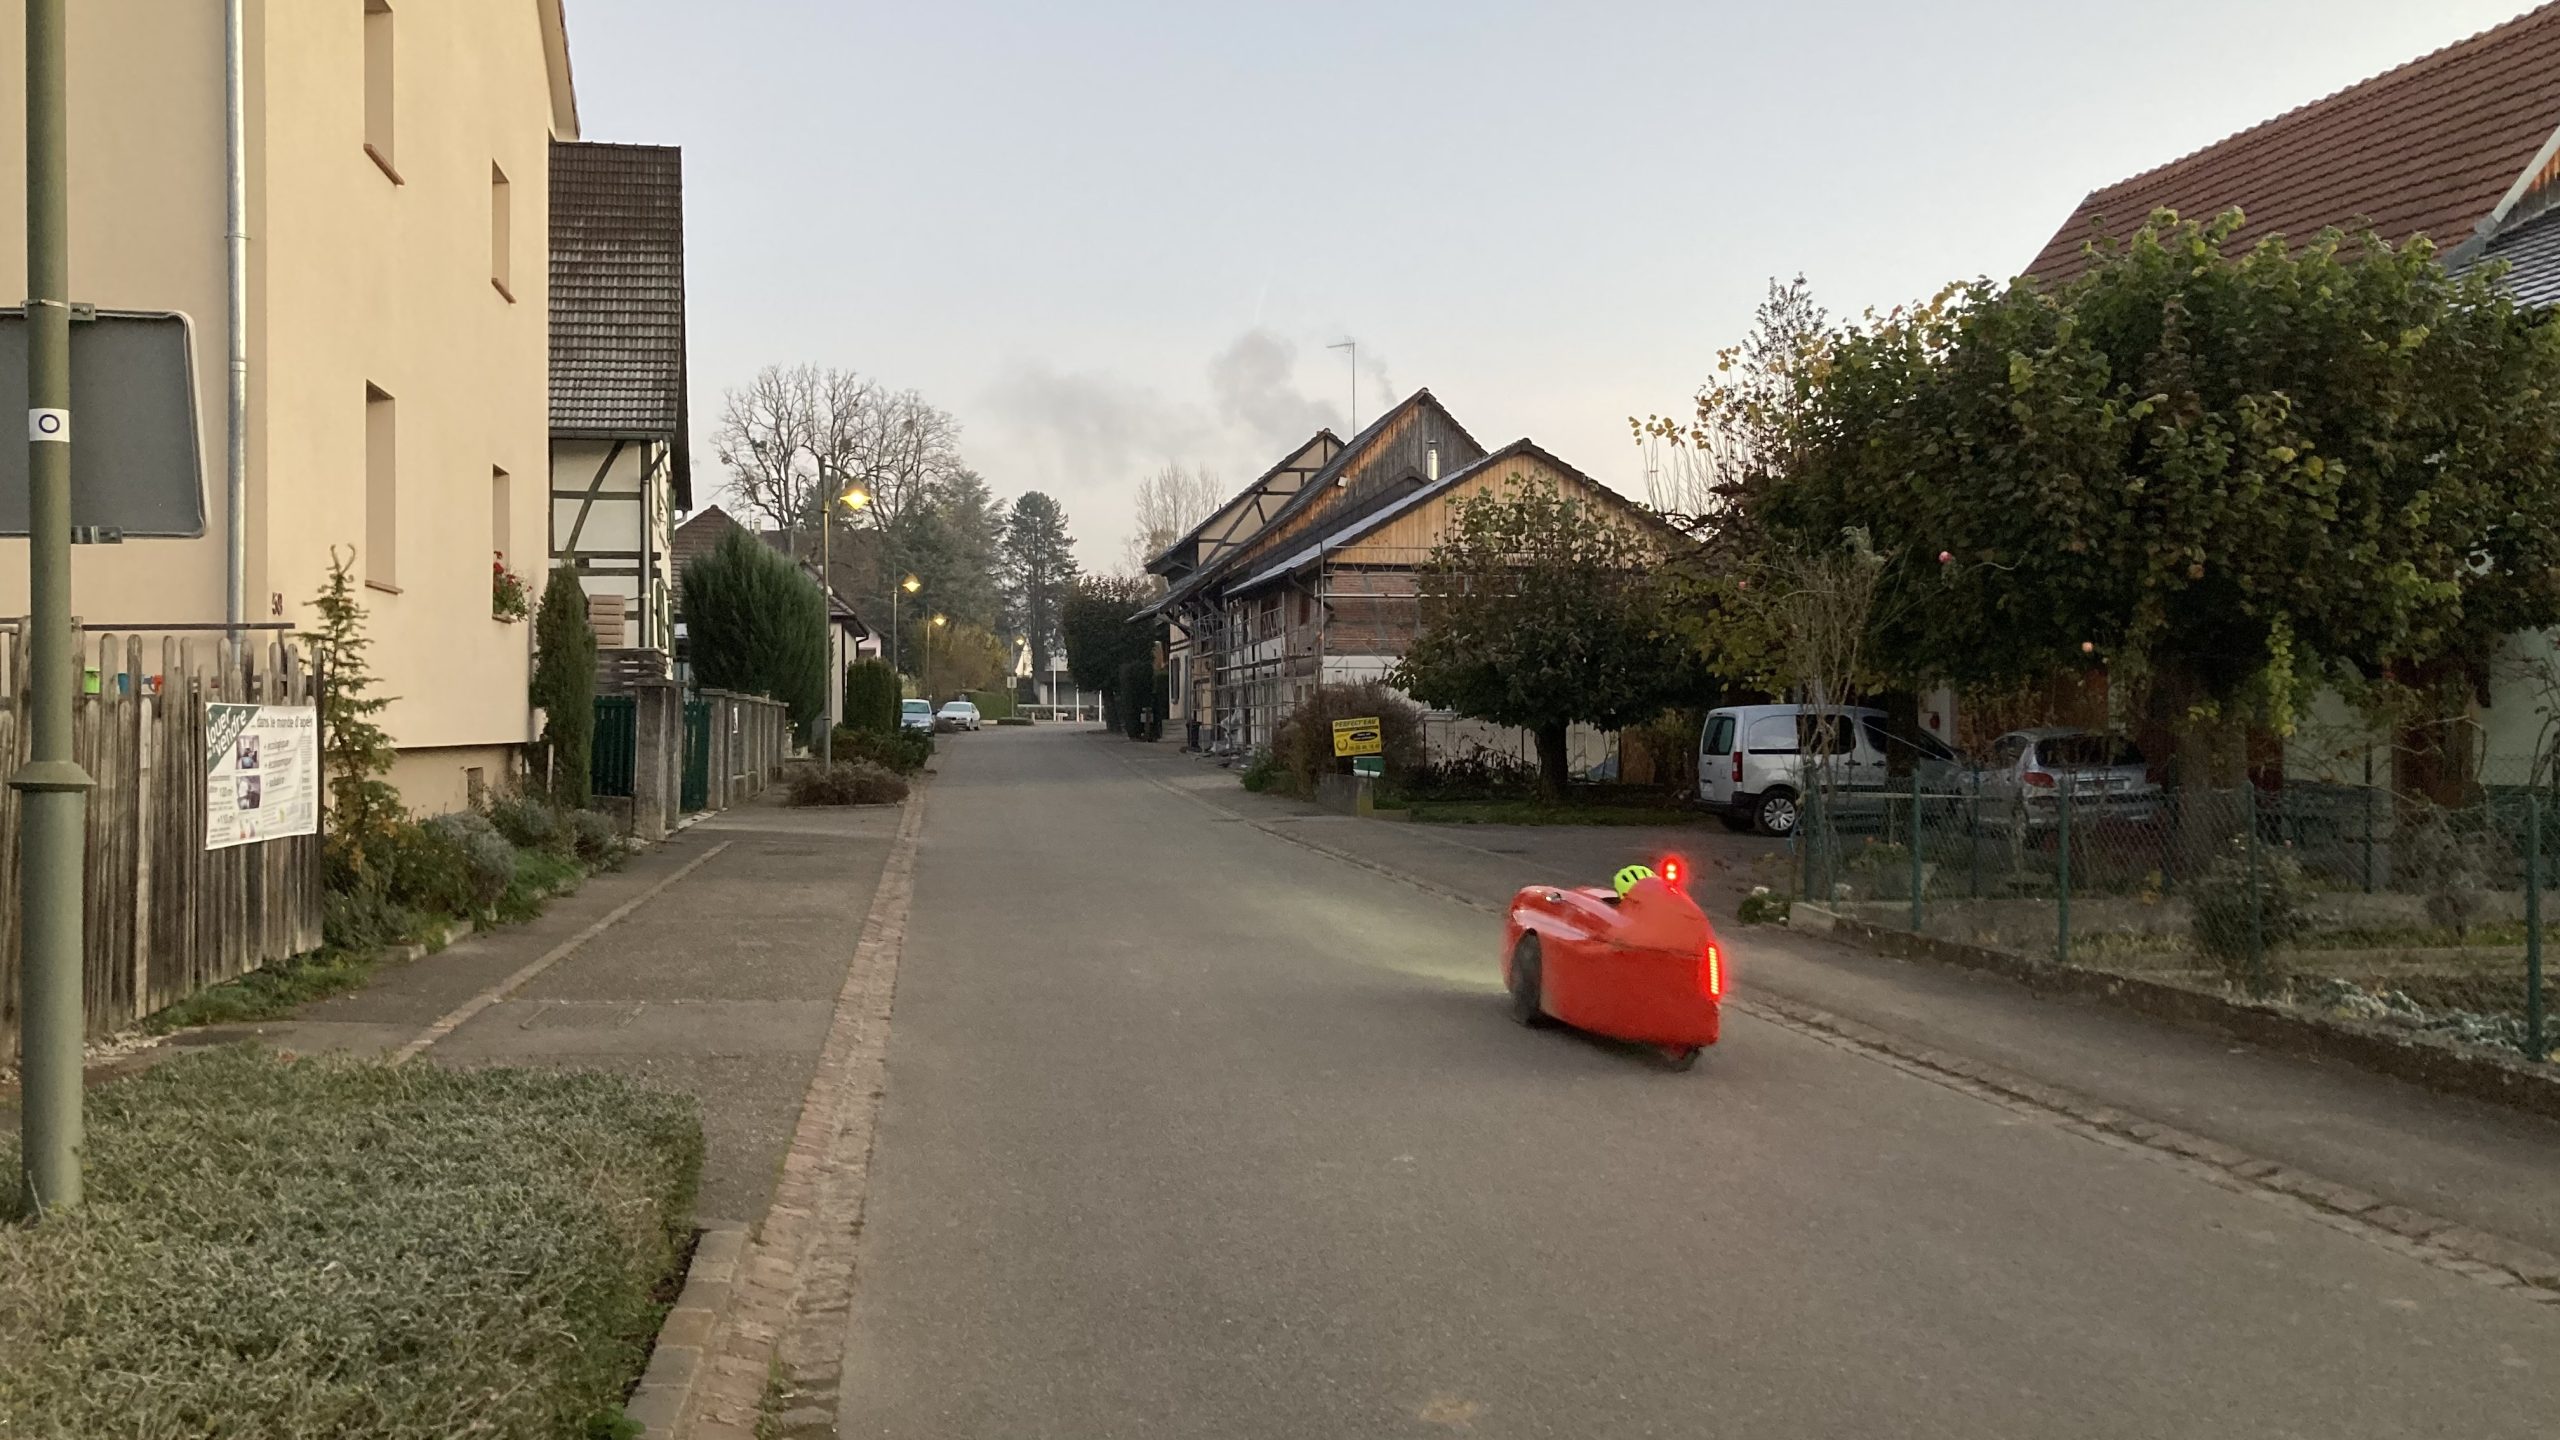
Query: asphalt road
1191, 1132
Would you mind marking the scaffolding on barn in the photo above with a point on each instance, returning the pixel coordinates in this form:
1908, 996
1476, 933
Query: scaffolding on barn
1256, 658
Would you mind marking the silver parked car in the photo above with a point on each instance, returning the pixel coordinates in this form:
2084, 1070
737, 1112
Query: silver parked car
1752, 762
2026, 773
958, 714
915, 715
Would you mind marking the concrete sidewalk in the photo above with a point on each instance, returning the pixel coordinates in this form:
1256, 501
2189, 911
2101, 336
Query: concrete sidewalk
2484, 1166
719, 985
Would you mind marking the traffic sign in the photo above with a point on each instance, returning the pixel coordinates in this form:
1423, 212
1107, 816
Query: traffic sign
137, 468
1364, 736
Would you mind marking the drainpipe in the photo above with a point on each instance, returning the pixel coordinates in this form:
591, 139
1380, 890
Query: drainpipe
235, 603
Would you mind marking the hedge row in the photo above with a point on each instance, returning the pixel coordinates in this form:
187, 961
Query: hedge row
310, 1249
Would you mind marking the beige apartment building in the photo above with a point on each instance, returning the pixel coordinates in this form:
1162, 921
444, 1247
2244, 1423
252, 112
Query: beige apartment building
398, 191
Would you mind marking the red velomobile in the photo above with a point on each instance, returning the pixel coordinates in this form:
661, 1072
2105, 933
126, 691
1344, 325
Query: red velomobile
1639, 964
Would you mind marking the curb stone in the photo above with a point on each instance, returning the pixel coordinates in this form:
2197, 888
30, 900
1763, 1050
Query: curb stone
2442, 1068
2491, 1259
774, 1355
675, 1363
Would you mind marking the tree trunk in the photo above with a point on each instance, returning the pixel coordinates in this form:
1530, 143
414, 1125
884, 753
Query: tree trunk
1552, 764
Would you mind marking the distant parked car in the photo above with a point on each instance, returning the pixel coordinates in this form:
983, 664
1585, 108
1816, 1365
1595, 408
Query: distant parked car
959, 714
1751, 762
915, 715
2026, 773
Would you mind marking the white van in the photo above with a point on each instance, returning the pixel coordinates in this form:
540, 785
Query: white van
1751, 760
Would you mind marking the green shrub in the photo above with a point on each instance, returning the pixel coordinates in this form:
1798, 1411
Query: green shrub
1764, 906
362, 918
871, 694
1479, 775
756, 623
313, 1249
993, 705
2220, 898
529, 821
1262, 772
594, 838
489, 859
900, 752
857, 782
1129, 690
564, 689
358, 754
427, 868
1305, 745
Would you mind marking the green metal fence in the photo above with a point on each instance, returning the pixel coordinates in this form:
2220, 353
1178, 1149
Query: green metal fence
2345, 899
697, 755
613, 762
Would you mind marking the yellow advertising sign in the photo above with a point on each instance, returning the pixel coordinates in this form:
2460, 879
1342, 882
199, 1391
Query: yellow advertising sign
1359, 737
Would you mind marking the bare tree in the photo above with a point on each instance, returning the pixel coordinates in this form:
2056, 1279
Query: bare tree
1170, 502
781, 431
1703, 472
793, 425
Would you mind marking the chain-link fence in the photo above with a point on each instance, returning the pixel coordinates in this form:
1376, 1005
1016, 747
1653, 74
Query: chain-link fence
2344, 899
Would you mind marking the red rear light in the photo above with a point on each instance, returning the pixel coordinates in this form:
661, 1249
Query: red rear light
1714, 973
2040, 779
1737, 767
1675, 873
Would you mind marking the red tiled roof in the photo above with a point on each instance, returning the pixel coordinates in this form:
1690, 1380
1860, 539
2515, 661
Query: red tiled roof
2427, 149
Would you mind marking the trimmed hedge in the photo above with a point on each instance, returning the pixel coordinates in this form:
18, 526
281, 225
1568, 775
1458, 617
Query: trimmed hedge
847, 782
900, 752
993, 705
310, 1249
871, 694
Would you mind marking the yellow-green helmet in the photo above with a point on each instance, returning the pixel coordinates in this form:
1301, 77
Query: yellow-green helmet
1628, 877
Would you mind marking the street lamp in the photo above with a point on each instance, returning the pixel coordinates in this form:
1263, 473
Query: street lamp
852, 497
938, 621
910, 585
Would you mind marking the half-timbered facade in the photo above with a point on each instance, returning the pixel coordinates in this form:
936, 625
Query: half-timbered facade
619, 467
1310, 576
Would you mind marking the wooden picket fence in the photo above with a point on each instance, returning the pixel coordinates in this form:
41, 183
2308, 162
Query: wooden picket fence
165, 917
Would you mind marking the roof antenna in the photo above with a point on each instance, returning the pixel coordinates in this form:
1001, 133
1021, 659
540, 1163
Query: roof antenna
1354, 347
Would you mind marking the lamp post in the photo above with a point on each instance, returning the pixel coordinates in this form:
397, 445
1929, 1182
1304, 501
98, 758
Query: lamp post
52, 788
938, 622
910, 585
852, 497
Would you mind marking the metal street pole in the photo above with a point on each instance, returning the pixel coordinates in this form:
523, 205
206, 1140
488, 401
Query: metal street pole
52, 786
827, 624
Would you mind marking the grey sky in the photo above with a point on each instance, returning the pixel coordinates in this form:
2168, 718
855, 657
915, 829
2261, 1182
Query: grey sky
1108, 234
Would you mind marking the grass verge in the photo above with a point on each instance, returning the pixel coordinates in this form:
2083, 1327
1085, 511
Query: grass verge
266, 993
300, 1249
289, 984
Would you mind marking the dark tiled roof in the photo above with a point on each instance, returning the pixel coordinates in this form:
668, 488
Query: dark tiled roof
700, 534
617, 295
2431, 148
2532, 253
